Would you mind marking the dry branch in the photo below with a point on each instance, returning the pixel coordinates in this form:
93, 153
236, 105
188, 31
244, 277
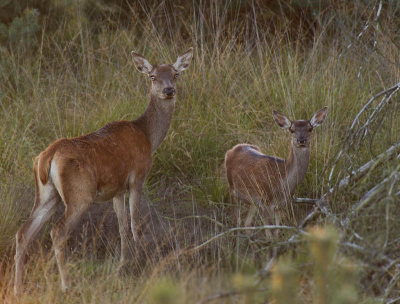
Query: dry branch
367, 25
373, 116
310, 201
364, 169
246, 229
394, 177
354, 177
393, 282
320, 206
391, 301
266, 270
228, 294
348, 141
194, 217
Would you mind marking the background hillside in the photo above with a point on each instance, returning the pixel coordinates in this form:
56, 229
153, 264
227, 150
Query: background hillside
66, 70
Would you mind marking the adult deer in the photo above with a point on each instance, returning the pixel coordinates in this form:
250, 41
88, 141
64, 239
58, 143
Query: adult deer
265, 181
100, 166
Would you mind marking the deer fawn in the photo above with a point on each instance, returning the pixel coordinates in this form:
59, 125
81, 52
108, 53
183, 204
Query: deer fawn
100, 166
255, 178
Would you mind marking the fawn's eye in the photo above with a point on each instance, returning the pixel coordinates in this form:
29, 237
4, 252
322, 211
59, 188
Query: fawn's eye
152, 78
176, 76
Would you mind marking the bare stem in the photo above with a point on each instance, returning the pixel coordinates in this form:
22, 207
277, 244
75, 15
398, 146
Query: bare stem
248, 228
348, 141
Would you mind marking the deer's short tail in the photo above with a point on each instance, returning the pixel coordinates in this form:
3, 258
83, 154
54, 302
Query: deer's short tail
43, 162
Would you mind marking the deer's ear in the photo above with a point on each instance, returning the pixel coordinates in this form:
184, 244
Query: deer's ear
281, 120
319, 117
183, 61
141, 63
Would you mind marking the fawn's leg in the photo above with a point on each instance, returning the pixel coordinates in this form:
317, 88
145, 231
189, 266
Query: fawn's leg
119, 207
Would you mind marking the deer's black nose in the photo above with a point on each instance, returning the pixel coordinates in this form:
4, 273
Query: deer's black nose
302, 141
169, 92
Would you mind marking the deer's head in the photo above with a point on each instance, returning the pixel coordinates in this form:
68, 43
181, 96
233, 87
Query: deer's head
164, 76
301, 129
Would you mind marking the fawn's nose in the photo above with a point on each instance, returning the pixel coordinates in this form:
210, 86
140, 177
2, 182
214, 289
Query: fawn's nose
169, 92
302, 141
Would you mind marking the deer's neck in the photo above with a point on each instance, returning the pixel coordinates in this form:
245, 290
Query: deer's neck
156, 120
296, 166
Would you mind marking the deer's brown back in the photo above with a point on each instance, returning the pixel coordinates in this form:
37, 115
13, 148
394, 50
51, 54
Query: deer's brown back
253, 175
108, 155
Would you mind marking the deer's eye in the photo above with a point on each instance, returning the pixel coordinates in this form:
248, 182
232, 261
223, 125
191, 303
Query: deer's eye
176, 76
291, 130
152, 78
310, 130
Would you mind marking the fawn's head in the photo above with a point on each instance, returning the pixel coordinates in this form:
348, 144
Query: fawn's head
163, 76
300, 129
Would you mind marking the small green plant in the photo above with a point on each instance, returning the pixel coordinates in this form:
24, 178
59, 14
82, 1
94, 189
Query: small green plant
23, 29
322, 273
164, 290
283, 282
334, 277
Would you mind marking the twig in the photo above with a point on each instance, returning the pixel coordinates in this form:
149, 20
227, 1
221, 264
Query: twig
391, 301
392, 283
354, 177
248, 228
311, 216
395, 175
378, 13
376, 254
320, 207
293, 240
299, 200
356, 121
263, 273
228, 294
268, 267
385, 100
196, 217
364, 169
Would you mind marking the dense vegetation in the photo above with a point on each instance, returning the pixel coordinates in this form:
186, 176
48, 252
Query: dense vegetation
66, 70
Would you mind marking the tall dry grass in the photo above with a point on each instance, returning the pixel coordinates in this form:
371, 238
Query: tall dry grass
77, 81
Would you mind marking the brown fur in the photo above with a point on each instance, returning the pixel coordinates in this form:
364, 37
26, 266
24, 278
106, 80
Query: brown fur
252, 175
45, 159
111, 154
268, 182
100, 166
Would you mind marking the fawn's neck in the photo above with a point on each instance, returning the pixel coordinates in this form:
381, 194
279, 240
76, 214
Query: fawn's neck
156, 120
296, 166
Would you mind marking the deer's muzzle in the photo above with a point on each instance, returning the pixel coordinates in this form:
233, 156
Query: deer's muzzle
302, 141
169, 92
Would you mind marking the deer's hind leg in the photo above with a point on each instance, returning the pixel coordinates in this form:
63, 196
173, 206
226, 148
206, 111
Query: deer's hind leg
250, 216
46, 202
235, 202
271, 216
78, 192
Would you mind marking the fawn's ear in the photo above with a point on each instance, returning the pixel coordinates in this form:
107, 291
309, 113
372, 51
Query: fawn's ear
319, 117
141, 63
183, 61
281, 120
